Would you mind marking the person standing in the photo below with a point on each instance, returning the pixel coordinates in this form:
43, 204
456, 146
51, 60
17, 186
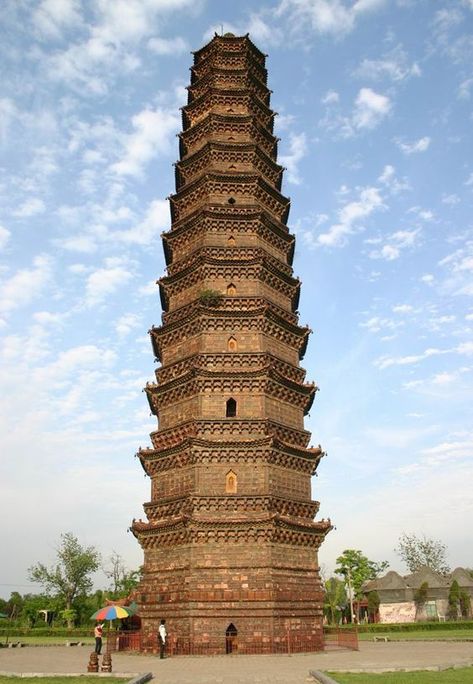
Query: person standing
162, 634
98, 631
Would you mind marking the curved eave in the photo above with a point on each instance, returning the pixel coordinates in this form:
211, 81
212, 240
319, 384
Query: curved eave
154, 344
163, 296
290, 254
296, 298
167, 249
305, 342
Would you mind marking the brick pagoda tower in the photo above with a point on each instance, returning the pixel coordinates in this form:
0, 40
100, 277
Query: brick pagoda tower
230, 543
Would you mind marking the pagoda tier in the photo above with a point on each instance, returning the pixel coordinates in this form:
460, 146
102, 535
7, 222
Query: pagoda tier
230, 541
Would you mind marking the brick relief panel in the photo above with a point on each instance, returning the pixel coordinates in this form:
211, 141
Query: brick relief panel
289, 483
173, 483
178, 412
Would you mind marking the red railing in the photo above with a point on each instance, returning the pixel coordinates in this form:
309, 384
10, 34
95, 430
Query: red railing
290, 642
123, 641
341, 638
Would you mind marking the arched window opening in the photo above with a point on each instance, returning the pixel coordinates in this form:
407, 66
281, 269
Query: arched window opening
231, 241
231, 482
231, 636
232, 344
231, 408
231, 290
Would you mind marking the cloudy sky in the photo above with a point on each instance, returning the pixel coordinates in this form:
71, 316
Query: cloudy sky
375, 117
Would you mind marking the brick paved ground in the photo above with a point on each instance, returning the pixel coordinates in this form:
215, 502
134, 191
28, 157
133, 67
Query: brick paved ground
243, 669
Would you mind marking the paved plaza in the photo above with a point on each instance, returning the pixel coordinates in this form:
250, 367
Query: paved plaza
264, 669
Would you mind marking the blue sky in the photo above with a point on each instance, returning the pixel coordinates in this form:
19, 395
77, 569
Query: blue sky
374, 102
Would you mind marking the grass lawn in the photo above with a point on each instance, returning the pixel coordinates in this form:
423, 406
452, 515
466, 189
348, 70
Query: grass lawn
422, 634
85, 679
462, 676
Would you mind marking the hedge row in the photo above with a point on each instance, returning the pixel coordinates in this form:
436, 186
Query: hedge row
407, 626
46, 631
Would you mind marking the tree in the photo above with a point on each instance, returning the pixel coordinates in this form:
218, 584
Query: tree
123, 580
335, 599
70, 577
454, 600
373, 604
420, 597
356, 570
422, 551
465, 603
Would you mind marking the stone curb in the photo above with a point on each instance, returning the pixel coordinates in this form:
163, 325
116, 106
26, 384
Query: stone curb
321, 677
384, 670
137, 677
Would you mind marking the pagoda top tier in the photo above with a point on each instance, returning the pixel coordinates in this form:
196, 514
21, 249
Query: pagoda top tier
229, 43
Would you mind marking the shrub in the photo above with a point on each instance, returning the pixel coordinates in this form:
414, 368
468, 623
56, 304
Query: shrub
209, 297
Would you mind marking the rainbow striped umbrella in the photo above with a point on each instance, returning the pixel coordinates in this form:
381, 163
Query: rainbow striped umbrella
111, 612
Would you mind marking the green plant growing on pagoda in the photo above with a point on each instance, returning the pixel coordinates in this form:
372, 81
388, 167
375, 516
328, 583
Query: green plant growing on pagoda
70, 577
209, 297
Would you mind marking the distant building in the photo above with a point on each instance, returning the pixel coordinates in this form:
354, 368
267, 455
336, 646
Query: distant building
397, 594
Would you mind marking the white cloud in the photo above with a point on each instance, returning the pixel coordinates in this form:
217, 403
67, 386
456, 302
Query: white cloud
126, 323
464, 88
52, 16
8, 112
261, 32
397, 241
154, 222
84, 244
428, 279
4, 237
107, 50
31, 207
421, 145
377, 324
26, 284
105, 281
167, 46
386, 361
450, 199
330, 97
403, 308
369, 200
394, 184
325, 16
297, 150
153, 134
370, 108
393, 65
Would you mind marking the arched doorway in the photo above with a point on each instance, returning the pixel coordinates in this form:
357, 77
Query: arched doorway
231, 639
